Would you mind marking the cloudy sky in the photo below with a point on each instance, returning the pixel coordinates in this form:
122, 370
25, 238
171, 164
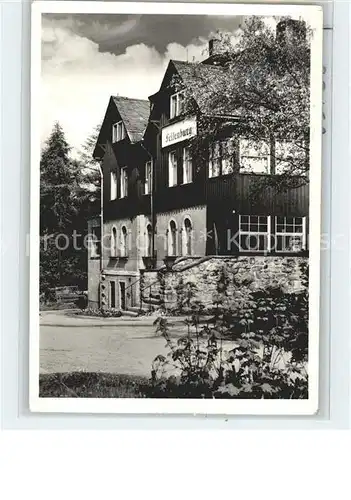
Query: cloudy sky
88, 57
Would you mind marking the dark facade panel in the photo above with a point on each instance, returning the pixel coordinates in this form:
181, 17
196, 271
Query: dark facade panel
225, 195
254, 194
133, 157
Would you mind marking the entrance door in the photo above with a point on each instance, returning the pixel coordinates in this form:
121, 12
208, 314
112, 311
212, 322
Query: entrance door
122, 294
112, 294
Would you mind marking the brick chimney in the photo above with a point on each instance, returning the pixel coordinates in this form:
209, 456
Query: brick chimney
217, 52
214, 47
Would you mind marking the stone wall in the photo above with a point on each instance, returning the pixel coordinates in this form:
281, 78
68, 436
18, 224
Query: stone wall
252, 273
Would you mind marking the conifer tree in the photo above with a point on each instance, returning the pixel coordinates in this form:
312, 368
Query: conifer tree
59, 177
60, 263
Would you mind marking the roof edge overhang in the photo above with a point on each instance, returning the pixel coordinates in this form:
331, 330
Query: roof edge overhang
98, 151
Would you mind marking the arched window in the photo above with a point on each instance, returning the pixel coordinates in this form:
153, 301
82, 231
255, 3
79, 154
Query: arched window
187, 240
148, 240
123, 250
114, 242
172, 239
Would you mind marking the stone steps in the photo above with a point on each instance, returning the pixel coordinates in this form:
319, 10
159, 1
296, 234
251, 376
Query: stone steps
152, 301
137, 309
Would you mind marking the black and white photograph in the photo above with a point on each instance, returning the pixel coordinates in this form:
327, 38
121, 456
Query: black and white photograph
175, 207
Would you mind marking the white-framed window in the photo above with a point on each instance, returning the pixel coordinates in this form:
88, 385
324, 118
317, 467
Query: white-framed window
172, 168
290, 234
124, 182
113, 246
148, 177
221, 161
176, 104
187, 166
113, 185
254, 156
254, 233
124, 238
172, 239
187, 237
118, 131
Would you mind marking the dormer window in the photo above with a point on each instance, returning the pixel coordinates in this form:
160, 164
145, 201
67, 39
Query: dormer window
118, 131
176, 104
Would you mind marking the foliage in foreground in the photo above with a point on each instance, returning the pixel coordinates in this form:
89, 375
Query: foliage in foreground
258, 350
91, 385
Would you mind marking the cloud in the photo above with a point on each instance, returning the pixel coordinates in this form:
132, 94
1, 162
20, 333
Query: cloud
79, 73
103, 32
77, 79
192, 52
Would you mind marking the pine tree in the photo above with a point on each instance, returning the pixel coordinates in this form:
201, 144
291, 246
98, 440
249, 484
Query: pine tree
60, 263
59, 177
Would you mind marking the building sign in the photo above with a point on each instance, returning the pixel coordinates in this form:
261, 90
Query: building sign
180, 131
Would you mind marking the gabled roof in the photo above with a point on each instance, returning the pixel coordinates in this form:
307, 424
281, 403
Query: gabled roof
190, 73
197, 71
133, 112
200, 79
135, 115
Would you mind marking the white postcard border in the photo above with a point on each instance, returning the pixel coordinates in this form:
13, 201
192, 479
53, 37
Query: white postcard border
312, 14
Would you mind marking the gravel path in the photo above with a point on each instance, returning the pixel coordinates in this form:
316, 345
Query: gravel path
115, 349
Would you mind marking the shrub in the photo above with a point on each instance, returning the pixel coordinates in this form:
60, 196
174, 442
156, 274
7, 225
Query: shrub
102, 313
268, 330
185, 296
272, 317
198, 366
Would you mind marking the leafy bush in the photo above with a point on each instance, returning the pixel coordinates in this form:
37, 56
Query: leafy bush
185, 295
199, 365
255, 345
269, 316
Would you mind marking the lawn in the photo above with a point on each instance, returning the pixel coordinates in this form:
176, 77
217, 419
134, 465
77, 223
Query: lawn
91, 385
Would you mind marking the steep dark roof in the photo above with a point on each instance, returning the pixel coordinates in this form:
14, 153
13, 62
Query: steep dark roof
190, 71
135, 115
